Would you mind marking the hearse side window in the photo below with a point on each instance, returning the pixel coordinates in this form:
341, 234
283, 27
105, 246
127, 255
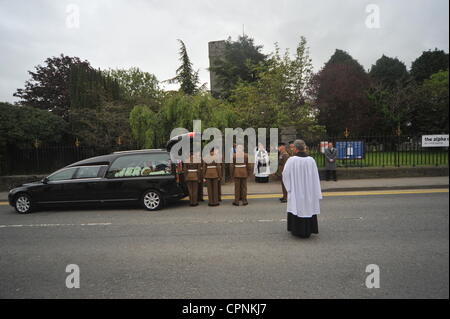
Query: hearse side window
87, 172
140, 165
63, 174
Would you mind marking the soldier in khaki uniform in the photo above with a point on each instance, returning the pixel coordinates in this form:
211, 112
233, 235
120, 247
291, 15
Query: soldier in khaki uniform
192, 173
212, 174
240, 170
199, 160
220, 165
283, 156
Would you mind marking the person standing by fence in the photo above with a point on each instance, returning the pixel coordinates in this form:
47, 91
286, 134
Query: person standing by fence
330, 162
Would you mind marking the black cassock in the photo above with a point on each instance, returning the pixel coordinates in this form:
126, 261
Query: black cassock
301, 226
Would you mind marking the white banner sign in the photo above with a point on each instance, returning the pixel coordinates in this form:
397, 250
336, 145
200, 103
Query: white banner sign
435, 140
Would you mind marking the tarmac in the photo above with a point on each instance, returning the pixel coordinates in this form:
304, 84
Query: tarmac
274, 187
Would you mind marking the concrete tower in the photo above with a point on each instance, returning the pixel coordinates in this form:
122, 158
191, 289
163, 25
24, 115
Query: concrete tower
216, 50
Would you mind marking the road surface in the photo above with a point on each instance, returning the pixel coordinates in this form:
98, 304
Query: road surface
231, 252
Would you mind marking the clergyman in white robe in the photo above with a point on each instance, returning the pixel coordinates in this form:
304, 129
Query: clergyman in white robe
301, 179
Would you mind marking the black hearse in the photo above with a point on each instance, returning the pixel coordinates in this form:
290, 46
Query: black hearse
148, 177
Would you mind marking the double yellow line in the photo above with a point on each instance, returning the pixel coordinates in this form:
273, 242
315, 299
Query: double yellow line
354, 193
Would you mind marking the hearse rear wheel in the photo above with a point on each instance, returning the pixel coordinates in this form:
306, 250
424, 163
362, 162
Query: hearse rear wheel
152, 200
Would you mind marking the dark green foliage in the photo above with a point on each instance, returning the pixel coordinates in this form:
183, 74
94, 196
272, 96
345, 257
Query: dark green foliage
341, 96
186, 76
428, 63
23, 125
341, 57
91, 88
101, 126
389, 72
430, 103
49, 86
137, 87
238, 64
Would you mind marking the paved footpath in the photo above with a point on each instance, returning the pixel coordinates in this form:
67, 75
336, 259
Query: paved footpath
273, 187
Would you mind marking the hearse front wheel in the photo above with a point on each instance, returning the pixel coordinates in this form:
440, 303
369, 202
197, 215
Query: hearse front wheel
152, 200
23, 204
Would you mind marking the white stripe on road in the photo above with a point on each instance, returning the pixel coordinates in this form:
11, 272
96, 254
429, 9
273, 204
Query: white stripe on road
55, 225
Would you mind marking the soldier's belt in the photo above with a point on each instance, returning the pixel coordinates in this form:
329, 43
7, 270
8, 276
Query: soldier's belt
211, 166
240, 166
192, 170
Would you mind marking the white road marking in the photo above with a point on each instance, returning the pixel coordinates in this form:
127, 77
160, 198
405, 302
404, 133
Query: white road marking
55, 225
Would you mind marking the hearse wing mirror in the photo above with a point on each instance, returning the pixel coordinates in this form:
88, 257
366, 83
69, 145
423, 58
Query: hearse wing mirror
45, 180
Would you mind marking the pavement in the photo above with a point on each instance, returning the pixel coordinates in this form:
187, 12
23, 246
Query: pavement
273, 187
232, 252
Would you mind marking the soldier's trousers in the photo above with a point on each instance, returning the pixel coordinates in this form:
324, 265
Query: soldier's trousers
240, 189
213, 191
200, 191
284, 190
193, 192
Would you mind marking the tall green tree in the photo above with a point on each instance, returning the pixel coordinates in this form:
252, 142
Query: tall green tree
341, 89
23, 125
341, 57
137, 87
143, 122
431, 105
280, 97
90, 88
390, 88
389, 72
429, 63
49, 86
103, 126
186, 76
237, 64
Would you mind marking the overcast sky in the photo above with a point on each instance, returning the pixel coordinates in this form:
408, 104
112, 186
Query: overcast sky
122, 34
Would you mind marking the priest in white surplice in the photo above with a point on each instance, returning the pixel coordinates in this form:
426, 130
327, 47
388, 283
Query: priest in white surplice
301, 179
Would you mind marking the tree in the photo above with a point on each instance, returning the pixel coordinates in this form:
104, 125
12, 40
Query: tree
137, 87
341, 57
186, 76
90, 88
392, 107
389, 72
341, 96
49, 86
389, 92
152, 130
102, 126
280, 97
237, 64
431, 104
23, 125
430, 62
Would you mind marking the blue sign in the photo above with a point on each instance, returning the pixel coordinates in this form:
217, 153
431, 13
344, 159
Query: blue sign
350, 150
